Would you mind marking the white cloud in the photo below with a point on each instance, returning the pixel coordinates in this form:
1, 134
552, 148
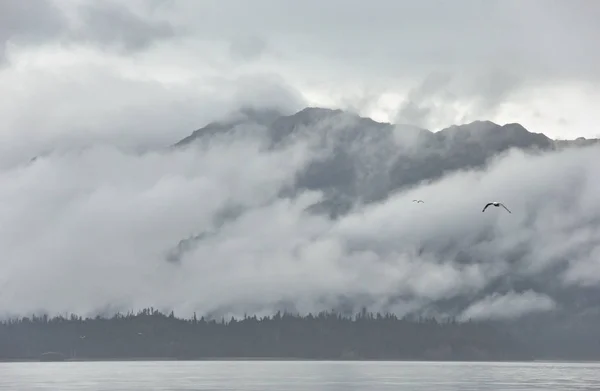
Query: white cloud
509, 306
347, 54
89, 226
87, 230
86, 98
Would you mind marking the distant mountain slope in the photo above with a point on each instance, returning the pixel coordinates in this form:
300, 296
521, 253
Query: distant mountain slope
360, 161
245, 116
366, 161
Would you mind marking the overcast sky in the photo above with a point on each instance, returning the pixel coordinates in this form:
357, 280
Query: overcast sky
145, 73
122, 76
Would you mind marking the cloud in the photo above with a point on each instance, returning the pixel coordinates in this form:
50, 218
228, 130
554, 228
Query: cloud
110, 23
413, 38
101, 196
508, 306
98, 92
97, 102
381, 59
23, 21
585, 272
247, 47
92, 229
436, 101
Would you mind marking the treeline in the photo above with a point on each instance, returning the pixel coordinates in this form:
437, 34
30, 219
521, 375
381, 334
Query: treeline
327, 335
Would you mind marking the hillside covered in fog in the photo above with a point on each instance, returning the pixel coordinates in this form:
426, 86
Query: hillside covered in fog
527, 267
227, 160
360, 161
312, 211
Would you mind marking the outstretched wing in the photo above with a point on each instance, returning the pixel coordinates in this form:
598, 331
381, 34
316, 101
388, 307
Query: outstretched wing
486, 206
505, 208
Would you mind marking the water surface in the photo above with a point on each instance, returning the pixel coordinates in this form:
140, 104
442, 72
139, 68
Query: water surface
297, 376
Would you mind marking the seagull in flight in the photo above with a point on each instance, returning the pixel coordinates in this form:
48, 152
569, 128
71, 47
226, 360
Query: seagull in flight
496, 204
419, 201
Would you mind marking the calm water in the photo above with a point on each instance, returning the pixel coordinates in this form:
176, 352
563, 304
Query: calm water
280, 376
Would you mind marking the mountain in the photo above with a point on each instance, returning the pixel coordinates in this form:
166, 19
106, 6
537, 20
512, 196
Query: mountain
365, 161
245, 116
361, 161
578, 142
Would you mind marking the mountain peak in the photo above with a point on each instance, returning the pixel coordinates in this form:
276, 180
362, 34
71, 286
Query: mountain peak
284, 124
313, 110
474, 126
266, 115
316, 113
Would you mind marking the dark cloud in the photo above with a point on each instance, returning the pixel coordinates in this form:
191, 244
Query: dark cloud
29, 22
108, 23
352, 53
105, 24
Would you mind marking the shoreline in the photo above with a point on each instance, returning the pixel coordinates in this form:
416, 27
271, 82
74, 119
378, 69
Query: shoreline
159, 359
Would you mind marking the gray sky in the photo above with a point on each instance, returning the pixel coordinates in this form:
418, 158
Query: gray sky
88, 70
99, 79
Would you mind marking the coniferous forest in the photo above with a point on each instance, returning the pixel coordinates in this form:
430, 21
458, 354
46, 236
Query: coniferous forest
150, 334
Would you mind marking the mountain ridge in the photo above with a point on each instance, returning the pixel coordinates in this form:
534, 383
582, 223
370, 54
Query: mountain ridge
319, 113
362, 162
367, 161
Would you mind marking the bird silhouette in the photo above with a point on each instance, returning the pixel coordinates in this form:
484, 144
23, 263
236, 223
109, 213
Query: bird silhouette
496, 204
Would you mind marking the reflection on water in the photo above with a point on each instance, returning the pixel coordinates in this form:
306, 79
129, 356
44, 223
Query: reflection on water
297, 375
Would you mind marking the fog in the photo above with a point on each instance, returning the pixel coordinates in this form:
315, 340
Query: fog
90, 230
99, 213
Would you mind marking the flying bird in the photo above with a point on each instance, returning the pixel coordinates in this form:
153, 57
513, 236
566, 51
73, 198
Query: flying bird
496, 204
419, 201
